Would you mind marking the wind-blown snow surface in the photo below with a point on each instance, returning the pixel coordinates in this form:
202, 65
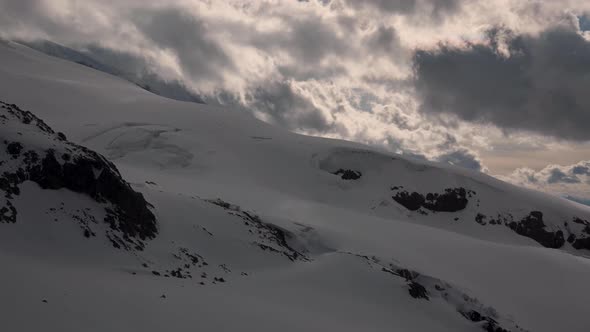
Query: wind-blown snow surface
256, 232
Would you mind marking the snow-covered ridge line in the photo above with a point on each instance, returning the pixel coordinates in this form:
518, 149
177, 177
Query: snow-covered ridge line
38, 154
450, 197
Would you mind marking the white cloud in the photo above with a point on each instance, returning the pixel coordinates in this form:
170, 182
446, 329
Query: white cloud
570, 180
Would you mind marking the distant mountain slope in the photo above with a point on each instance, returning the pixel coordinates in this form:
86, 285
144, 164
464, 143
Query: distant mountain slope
439, 196
115, 64
36, 154
262, 229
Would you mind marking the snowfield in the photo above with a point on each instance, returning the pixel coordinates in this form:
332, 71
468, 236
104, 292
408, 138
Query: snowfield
259, 229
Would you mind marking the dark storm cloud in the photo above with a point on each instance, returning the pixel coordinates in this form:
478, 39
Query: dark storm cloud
11, 10
306, 73
461, 158
385, 40
282, 104
449, 142
433, 8
558, 176
581, 170
132, 65
541, 85
28, 16
188, 37
311, 40
442, 7
138, 70
401, 6
308, 40
584, 22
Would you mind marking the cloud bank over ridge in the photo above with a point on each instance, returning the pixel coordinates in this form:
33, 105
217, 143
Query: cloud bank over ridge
446, 80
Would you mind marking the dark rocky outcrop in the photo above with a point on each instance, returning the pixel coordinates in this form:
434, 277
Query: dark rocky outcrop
54, 163
581, 243
269, 237
473, 316
14, 149
480, 219
490, 325
500, 219
8, 213
451, 200
411, 201
583, 222
418, 291
348, 174
532, 226
422, 287
581, 240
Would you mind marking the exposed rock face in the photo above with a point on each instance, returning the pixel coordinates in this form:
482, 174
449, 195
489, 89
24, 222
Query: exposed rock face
411, 201
452, 200
480, 219
48, 159
269, 237
348, 174
582, 241
422, 287
14, 149
532, 226
490, 325
417, 291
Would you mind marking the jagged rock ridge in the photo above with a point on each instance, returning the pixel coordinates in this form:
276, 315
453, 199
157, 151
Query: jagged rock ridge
50, 160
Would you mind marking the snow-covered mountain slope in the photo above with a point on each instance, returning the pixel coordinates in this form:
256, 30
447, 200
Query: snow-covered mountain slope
117, 64
261, 229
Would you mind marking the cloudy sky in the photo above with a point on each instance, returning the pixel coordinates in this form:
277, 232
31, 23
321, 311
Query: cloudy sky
499, 86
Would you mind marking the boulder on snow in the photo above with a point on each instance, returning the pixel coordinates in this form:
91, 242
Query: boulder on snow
348, 174
418, 291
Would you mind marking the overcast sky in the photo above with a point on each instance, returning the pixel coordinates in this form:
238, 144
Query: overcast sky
500, 86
